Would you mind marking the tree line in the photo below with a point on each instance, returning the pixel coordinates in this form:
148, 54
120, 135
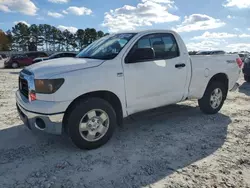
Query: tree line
46, 37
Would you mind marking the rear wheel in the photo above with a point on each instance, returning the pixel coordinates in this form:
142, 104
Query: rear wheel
14, 65
213, 98
247, 78
91, 123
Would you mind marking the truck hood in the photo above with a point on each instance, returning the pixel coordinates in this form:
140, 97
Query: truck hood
52, 67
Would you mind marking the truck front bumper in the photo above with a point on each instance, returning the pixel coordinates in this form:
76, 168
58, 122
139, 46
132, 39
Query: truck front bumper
49, 123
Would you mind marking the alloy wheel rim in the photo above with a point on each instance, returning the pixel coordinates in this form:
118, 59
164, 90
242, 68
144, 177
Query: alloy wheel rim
14, 65
94, 125
216, 98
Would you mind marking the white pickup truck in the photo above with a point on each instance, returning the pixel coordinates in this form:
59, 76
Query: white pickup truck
116, 76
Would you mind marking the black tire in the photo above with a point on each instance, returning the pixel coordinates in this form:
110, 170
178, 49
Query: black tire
247, 78
76, 114
204, 102
15, 65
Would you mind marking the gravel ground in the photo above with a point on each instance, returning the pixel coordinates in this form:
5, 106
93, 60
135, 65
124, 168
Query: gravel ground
174, 146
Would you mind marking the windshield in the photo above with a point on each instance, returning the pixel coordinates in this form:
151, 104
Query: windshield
107, 47
54, 55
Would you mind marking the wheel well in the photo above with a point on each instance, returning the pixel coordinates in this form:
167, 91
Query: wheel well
110, 97
221, 77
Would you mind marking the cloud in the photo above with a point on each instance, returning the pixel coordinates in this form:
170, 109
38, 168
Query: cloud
220, 36
169, 3
26, 7
79, 11
218, 45
70, 28
203, 45
230, 17
208, 35
237, 3
236, 29
244, 36
160, 1
58, 1
4, 8
238, 47
55, 14
24, 22
65, 12
146, 13
197, 22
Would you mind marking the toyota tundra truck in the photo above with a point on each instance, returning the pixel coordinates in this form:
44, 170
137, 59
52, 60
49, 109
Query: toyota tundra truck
118, 75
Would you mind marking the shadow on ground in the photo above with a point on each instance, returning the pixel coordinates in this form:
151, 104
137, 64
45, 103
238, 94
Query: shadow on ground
14, 73
245, 88
148, 147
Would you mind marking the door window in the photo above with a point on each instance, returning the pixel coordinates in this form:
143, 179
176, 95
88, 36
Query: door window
143, 43
59, 55
20, 56
70, 55
32, 55
45, 55
62, 55
42, 54
164, 45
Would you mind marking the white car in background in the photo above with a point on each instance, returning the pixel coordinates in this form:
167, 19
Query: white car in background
116, 76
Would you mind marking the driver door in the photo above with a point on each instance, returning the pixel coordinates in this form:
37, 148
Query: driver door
158, 81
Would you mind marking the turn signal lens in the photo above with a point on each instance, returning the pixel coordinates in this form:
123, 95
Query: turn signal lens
32, 96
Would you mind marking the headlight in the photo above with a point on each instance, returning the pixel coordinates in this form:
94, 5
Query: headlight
48, 86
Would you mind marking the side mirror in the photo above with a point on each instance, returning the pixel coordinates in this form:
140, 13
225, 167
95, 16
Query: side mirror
140, 55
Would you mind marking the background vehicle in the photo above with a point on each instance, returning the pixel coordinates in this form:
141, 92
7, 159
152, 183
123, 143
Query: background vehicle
1, 58
55, 55
116, 76
4, 56
246, 69
214, 52
243, 56
25, 59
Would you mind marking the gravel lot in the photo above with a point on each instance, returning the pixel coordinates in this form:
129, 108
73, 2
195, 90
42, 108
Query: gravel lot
174, 146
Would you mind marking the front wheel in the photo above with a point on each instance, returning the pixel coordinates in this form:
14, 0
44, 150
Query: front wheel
247, 78
91, 123
213, 98
14, 65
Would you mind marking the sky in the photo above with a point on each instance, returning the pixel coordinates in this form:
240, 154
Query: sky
203, 24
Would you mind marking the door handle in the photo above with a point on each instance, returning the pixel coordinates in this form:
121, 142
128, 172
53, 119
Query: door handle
181, 65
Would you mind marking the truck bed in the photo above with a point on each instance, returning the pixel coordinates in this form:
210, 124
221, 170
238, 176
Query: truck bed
203, 67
